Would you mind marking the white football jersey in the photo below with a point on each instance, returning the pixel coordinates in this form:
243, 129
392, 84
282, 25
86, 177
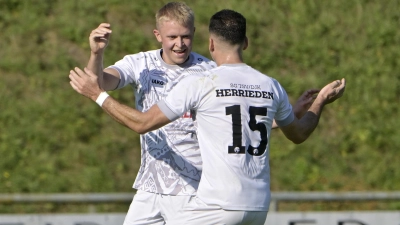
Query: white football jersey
235, 107
170, 158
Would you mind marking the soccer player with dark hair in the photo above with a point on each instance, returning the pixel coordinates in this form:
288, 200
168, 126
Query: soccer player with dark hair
235, 108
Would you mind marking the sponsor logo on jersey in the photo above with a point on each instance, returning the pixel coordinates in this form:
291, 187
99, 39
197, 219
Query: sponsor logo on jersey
160, 82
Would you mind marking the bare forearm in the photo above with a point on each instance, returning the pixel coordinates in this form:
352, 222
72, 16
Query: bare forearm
95, 64
308, 124
299, 109
85, 82
309, 121
124, 115
108, 79
134, 119
299, 130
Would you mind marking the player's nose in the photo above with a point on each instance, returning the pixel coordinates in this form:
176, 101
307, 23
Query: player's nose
179, 42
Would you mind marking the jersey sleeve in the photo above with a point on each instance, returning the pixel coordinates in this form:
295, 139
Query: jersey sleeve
284, 114
126, 68
185, 96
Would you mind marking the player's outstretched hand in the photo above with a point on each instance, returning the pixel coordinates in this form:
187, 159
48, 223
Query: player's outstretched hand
85, 83
304, 102
332, 91
99, 38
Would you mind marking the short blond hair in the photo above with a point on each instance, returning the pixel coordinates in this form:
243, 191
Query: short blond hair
176, 11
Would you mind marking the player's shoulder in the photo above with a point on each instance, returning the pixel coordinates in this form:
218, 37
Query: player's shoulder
142, 54
264, 76
140, 59
200, 59
205, 76
247, 73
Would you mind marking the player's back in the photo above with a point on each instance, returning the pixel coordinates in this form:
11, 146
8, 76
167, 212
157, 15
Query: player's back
234, 124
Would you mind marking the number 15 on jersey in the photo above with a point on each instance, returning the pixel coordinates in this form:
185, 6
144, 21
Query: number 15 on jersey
237, 147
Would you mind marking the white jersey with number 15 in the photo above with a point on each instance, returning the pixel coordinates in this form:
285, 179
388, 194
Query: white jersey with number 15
235, 107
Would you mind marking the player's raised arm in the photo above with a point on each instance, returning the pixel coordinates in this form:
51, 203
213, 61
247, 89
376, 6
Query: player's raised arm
86, 83
99, 39
300, 129
302, 104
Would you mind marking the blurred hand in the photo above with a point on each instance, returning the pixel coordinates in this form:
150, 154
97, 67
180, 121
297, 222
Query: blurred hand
99, 38
85, 83
304, 102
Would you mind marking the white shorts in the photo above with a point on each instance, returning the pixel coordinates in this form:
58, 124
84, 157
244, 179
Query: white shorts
155, 209
196, 212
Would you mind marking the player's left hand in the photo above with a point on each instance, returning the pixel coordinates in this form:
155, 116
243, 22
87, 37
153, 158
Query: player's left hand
85, 83
304, 102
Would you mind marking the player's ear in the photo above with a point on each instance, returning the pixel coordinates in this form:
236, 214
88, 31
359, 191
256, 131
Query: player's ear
246, 43
211, 45
158, 35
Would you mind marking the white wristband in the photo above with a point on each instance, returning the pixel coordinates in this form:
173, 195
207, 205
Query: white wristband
102, 97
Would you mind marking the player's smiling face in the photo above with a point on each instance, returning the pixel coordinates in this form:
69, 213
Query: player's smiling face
176, 41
